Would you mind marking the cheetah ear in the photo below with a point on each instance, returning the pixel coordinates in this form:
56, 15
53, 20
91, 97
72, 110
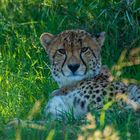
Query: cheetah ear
45, 39
100, 38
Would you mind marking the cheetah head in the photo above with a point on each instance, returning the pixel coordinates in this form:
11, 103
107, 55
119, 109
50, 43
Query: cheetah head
74, 55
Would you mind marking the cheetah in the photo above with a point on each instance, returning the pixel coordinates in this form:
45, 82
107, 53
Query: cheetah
84, 83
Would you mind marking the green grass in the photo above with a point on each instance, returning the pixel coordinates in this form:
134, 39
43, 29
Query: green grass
24, 72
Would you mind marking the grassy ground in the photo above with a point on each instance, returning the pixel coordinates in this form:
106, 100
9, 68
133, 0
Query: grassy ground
25, 80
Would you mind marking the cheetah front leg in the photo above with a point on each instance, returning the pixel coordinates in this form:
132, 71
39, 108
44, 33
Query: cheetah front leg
63, 106
58, 107
54, 107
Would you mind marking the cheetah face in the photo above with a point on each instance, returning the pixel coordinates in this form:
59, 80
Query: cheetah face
74, 55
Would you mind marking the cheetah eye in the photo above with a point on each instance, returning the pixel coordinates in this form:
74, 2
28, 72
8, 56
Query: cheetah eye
84, 49
62, 51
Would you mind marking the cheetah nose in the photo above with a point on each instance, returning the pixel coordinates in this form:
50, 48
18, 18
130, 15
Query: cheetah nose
73, 67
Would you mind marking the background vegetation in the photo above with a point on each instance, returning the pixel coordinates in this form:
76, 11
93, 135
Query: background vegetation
25, 79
